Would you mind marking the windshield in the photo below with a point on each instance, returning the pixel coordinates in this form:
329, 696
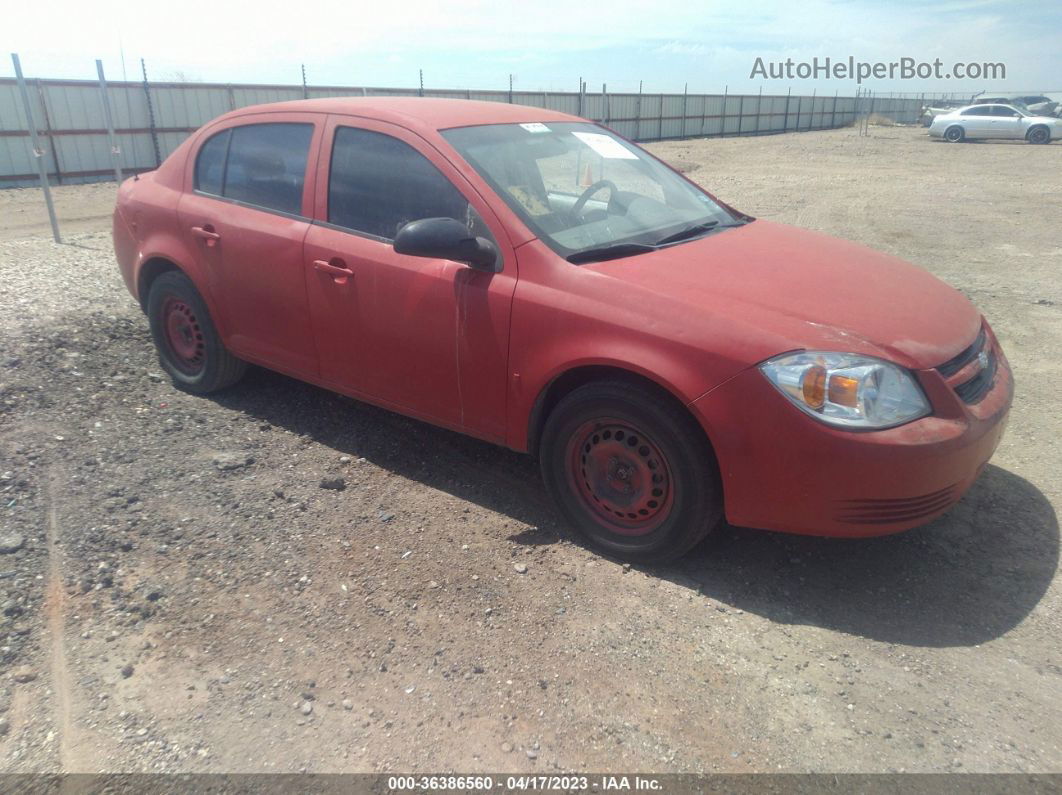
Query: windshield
583, 190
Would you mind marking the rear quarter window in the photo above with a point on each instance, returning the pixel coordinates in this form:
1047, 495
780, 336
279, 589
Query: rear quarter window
210, 164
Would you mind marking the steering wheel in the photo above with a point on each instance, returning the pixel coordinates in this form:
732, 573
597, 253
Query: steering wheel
580, 203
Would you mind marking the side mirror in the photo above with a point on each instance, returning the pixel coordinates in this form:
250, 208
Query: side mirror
446, 238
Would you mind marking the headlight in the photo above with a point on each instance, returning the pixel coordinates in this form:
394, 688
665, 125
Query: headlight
847, 390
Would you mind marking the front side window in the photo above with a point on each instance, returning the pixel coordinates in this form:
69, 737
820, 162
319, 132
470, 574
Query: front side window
259, 164
978, 110
586, 192
1004, 111
377, 184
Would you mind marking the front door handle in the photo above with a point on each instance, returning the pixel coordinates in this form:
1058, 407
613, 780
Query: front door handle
207, 233
336, 267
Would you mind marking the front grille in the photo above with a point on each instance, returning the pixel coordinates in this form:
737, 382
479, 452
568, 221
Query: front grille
890, 511
952, 366
977, 386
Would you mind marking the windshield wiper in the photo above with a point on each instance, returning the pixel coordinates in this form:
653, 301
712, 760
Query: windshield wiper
610, 252
688, 232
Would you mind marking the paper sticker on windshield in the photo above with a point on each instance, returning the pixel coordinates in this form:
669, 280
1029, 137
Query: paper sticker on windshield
535, 127
605, 146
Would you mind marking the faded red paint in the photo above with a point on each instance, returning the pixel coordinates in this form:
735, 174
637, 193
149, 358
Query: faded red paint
475, 351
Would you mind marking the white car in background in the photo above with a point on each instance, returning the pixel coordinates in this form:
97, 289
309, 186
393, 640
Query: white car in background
995, 121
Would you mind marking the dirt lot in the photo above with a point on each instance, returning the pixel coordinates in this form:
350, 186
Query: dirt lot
184, 596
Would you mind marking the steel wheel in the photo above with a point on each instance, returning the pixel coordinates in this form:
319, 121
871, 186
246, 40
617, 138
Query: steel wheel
954, 134
621, 475
189, 346
184, 337
630, 470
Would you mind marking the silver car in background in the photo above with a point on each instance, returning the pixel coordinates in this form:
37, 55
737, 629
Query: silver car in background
995, 121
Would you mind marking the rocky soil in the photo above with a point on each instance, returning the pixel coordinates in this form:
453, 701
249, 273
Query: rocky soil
278, 578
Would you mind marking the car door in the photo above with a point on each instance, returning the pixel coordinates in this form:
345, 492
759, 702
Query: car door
428, 337
977, 121
245, 215
1006, 122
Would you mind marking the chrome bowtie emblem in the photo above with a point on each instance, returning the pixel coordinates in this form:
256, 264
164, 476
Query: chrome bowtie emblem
982, 360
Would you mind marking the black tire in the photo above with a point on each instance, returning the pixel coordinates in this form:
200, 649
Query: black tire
666, 477
954, 134
1038, 135
197, 361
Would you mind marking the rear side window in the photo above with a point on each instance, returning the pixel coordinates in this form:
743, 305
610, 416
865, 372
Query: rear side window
210, 165
267, 165
377, 184
260, 164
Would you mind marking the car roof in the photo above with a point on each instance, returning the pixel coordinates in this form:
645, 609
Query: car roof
413, 112
980, 105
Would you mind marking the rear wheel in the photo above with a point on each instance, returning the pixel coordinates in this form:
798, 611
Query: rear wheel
189, 346
630, 471
954, 134
1038, 135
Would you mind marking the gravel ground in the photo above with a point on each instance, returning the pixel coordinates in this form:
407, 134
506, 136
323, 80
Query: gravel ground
180, 593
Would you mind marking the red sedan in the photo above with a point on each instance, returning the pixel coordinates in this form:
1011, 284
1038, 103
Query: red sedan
533, 279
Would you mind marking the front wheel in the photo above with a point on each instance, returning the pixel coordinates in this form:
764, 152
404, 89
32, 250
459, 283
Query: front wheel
190, 348
954, 134
630, 471
1038, 135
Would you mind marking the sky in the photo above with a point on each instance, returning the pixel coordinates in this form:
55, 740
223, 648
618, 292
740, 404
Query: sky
666, 45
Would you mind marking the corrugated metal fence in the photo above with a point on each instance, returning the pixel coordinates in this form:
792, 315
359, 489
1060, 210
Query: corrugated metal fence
152, 119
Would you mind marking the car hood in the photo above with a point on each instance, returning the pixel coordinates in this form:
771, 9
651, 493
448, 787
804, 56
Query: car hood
771, 288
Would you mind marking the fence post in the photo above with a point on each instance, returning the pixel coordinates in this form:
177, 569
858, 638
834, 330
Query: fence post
305, 90
116, 150
582, 94
833, 111
722, 115
420, 91
38, 153
811, 116
48, 133
606, 111
685, 106
785, 118
741, 113
638, 115
759, 103
510, 89
151, 116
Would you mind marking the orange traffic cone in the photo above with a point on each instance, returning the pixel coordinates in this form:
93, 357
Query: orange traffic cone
588, 177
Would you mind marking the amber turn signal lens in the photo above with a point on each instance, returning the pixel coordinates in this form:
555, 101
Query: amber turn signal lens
844, 391
813, 387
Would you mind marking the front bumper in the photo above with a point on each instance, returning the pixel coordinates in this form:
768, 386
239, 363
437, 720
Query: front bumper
783, 470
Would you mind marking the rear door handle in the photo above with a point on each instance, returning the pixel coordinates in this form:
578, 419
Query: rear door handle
336, 268
207, 233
